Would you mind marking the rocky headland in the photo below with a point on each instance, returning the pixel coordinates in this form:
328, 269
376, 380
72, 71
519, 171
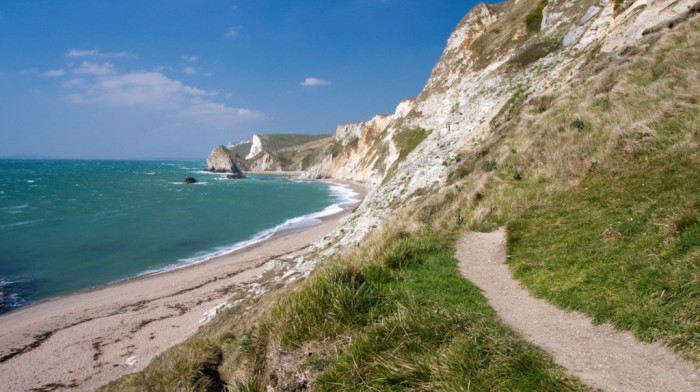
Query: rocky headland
221, 161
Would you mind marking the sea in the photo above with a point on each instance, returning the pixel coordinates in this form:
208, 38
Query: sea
72, 225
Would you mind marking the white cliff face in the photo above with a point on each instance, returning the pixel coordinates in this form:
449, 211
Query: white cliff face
265, 162
256, 148
361, 160
459, 101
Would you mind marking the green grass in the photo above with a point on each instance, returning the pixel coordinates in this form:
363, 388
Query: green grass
406, 141
533, 20
533, 52
414, 324
242, 150
624, 245
192, 367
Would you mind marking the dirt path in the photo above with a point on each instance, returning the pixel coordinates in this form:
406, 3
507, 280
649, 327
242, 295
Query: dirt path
600, 356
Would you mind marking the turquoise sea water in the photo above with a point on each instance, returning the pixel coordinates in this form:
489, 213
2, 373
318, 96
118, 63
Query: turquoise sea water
67, 226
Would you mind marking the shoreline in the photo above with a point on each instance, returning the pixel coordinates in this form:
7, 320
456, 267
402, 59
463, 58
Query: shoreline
83, 340
359, 189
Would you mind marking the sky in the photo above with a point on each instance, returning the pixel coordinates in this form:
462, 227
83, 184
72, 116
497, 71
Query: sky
135, 79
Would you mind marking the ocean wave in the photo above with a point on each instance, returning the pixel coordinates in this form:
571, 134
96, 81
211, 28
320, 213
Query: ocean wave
20, 223
9, 298
14, 209
346, 194
343, 194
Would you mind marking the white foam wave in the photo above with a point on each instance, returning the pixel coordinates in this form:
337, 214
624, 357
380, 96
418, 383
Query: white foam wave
10, 298
20, 223
14, 209
344, 196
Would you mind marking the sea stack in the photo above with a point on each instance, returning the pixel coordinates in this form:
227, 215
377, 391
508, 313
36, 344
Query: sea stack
220, 161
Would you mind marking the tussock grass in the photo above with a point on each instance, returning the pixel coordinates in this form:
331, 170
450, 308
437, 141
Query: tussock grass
402, 320
192, 367
438, 334
603, 216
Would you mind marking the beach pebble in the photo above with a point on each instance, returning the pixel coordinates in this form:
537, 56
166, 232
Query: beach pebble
131, 361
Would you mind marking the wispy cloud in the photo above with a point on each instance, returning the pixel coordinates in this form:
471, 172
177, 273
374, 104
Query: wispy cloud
73, 83
191, 59
29, 71
232, 32
97, 53
53, 73
157, 91
312, 82
193, 71
87, 67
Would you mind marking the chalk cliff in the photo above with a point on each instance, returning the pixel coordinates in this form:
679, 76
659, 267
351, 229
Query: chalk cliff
221, 161
492, 63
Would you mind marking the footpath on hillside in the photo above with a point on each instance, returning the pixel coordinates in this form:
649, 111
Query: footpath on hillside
598, 355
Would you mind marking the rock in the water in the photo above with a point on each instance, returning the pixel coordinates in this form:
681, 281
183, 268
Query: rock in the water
220, 161
235, 176
190, 180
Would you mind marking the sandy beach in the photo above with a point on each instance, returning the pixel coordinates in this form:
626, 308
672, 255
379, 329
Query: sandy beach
85, 340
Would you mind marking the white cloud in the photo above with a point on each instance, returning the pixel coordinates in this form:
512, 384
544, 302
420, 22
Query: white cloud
73, 83
232, 32
97, 53
157, 91
87, 67
30, 71
311, 82
53, 73
216, 113
191, 59
193, 71
81, 53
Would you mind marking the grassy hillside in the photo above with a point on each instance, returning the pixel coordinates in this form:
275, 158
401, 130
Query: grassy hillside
241, 150
275, 142
292, 151
302, 155
598, 185
596, 180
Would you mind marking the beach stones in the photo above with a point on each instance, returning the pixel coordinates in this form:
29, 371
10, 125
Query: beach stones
190, 180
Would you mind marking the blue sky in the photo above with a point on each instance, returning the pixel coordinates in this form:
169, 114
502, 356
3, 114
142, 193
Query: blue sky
156, 78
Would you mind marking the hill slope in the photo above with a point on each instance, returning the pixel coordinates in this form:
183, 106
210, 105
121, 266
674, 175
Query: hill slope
572, 123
